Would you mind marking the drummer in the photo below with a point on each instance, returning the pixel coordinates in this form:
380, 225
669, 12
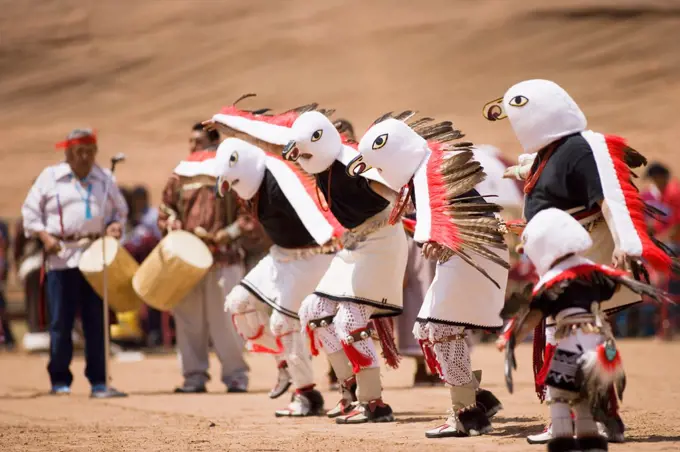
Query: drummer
65, 209
200, 317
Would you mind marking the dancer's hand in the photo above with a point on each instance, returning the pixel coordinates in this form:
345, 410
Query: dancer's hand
431, 250
619, 259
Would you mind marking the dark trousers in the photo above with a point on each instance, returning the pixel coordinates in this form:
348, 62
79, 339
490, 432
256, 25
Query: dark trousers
68, 293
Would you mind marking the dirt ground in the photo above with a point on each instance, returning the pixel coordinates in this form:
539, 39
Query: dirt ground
142, 73
153, 419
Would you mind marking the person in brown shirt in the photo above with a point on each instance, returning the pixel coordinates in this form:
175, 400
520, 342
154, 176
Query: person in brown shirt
191, 204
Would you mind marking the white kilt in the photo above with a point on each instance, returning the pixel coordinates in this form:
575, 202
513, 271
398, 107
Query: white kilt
282, 281
372, 273
460, 295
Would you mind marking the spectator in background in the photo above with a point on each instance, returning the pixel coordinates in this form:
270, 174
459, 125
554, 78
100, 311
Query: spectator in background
6, 336
200, 317
664, 193
66, 209
140, 238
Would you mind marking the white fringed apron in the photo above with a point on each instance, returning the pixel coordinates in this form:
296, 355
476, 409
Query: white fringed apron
460, 295
373, 272
284, 277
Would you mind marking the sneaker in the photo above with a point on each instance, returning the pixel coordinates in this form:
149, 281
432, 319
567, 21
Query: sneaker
564, 444
238, 383
541, 438
373, 411
348, 401
191, 389
60, 390
305, 402
465, 422
488, 403
614, 429
283, 382
102, 391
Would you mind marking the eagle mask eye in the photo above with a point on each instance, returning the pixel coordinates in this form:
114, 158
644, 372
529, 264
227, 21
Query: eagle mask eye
316, 136
379, 142
233, 159
518, 101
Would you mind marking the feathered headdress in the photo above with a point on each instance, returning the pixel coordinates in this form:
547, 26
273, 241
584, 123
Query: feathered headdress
268, 125
443, 175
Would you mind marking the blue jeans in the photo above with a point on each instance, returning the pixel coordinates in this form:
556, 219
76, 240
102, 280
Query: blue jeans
67, 293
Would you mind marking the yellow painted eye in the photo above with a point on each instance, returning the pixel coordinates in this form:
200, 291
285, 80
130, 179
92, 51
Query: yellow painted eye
316, 136
233, 159
379, 142
518, 101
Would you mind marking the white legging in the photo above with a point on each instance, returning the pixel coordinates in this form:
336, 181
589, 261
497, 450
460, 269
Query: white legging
452, 356
253, 323
349, 317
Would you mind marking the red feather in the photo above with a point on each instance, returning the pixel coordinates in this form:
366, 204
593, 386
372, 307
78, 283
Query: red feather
442, 231
579, 272
654, 255
200, 156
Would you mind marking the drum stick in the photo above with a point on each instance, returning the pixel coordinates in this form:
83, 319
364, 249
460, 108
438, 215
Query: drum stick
114, 161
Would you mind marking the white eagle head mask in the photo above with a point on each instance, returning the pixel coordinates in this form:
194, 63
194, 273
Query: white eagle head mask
540, 112
393, 148
316, 142
239, 166
552, 234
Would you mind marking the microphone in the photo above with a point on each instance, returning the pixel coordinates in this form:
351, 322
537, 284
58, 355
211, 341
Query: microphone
118, 158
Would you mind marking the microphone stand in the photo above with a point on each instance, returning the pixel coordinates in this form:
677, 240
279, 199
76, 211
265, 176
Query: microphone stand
110, 392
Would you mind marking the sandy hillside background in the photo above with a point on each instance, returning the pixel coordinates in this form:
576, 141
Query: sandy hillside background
142, 72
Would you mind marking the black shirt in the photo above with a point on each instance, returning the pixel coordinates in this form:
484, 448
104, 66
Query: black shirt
578, 293
569, 179
352, 200
278, 217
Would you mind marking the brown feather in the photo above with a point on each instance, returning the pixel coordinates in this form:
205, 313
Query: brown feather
405, 115
633, 158
471, 262
420, 122
382, 118
244, 96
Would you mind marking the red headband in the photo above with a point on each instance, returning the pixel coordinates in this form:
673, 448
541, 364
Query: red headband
87, 139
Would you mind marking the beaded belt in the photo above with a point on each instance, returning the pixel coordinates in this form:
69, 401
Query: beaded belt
295, 254
353, 237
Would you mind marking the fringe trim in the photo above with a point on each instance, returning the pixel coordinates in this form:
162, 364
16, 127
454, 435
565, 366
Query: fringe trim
385, 330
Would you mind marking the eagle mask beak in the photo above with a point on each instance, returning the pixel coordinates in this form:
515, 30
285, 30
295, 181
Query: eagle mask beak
291, 152
494, 111
357, 166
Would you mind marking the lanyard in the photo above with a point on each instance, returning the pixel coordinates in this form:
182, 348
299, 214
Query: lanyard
86, 197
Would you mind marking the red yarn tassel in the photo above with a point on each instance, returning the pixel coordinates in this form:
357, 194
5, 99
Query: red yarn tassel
430, 357
312, 341
547, 360
385, 329
538, 364
355, 357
